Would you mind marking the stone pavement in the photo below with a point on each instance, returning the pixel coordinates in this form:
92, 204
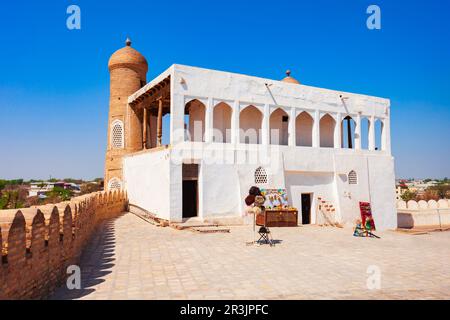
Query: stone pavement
131, 259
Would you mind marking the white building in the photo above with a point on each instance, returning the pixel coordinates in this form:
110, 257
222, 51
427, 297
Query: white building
246, 131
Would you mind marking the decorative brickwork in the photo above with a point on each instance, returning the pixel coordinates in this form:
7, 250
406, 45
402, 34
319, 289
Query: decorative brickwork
128, 73
38, 244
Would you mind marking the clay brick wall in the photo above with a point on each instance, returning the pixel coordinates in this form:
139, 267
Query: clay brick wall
38, 244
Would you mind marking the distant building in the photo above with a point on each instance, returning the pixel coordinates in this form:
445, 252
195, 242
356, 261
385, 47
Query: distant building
41, 188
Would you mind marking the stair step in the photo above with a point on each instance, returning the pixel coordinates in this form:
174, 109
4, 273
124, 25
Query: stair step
215, 229
182, 226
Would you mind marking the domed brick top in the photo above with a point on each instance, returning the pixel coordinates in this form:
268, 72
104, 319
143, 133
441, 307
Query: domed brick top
289, 79
128, 57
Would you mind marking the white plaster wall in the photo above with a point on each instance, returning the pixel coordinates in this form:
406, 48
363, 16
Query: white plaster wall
175, 192
219, 185
318, 184
382, 191
376, 184
147, 181
349, 195
226, 177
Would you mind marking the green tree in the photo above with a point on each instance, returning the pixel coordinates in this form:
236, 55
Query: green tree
60, 194
408, 195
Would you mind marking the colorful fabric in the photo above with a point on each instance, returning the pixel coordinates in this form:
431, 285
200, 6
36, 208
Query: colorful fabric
275, 198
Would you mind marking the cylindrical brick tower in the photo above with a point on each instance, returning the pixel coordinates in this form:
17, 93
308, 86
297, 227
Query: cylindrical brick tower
128, 73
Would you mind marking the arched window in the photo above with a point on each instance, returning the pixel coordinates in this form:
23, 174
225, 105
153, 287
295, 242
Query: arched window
279, 121
348, 127
250, 120
114, 184
352, 177
117, 135
304, 125
326, 127
194, 121
222, 123
260, 176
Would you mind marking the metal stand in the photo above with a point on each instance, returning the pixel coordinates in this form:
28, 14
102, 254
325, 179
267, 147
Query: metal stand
265, 236
250, 243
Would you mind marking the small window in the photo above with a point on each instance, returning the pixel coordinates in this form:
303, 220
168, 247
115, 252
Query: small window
260, 176
352, 177
117, 134
114, 184
285, 119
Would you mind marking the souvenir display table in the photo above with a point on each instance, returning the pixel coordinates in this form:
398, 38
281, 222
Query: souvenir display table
278, 217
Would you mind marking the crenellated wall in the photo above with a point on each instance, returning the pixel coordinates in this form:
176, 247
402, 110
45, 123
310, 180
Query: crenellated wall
38, 244
423, 214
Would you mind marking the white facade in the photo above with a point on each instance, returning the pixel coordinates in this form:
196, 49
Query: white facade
298, 143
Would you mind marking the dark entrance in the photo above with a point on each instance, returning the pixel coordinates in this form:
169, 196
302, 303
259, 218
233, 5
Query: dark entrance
189, 198
190, 190
306, 208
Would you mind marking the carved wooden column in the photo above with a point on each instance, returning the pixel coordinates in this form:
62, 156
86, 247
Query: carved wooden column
144, 129
159, 128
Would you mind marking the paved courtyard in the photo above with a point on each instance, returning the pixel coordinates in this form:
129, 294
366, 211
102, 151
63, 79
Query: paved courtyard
131, 259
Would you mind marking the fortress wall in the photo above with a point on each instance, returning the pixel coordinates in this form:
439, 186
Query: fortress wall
39, 243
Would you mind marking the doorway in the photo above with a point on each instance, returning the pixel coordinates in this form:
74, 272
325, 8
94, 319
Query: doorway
190, 190
306, 208
190, 199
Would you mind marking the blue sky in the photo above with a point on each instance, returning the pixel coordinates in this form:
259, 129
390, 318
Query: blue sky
54, 82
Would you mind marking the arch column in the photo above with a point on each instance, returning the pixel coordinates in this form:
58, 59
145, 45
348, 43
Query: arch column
338, 132
358, 132
386, 136
265, 127
209, 120
372, 133
235, 123
316, 130
291, 128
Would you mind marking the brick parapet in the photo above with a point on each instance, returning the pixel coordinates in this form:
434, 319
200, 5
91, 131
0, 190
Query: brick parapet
39, 243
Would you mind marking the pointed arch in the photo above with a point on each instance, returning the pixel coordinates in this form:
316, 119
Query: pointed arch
348, 126
327, 125
250, 122
379, 128
279, 121
303, 127
222, 122
365, 132
194, 119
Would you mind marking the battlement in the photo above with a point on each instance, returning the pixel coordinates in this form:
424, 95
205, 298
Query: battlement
38, 244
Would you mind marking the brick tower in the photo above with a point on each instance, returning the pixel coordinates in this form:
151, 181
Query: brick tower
128, 73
